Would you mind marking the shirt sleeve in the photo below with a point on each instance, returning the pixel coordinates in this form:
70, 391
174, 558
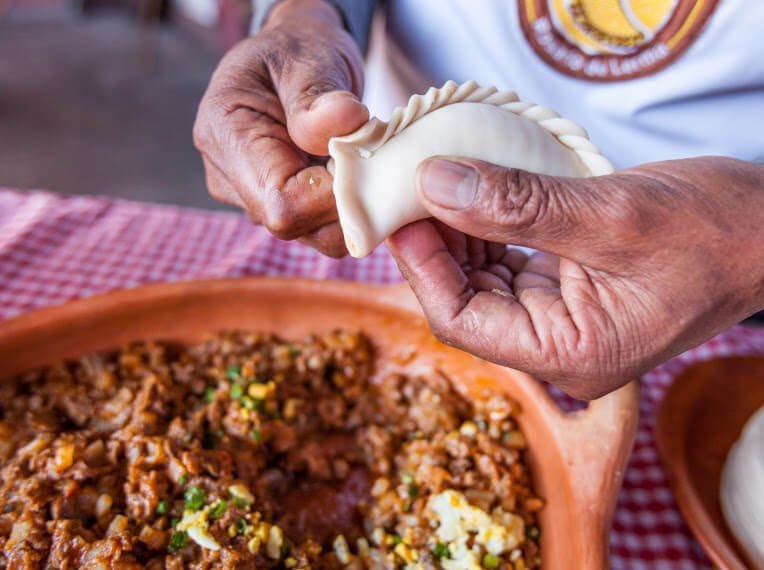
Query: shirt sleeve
356, 15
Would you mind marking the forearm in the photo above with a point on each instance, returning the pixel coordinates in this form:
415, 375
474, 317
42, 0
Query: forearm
355, 15
285, 11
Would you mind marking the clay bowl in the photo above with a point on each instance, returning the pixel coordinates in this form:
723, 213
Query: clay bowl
700, 418
578, 460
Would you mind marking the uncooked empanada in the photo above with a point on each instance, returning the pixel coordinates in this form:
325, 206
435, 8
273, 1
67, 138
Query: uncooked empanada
374, 167
742, 489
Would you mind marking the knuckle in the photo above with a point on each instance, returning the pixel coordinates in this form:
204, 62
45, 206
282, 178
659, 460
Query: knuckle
586, 389
588, 393
445, 329
279, 221
200, 133
216, 191
440, 331
334, 250
627, 216
523, 198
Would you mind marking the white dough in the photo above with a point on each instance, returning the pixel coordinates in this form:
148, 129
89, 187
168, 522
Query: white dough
742, 489
374, 168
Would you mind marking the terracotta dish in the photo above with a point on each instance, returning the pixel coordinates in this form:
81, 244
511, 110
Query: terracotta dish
700, 418
578, 460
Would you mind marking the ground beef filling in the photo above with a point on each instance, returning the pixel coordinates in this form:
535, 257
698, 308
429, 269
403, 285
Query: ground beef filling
245, 451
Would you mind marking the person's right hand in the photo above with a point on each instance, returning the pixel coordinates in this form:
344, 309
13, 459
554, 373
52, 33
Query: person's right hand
271, 107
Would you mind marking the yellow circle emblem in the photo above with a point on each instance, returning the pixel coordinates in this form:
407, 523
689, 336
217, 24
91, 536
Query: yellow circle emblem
612, 39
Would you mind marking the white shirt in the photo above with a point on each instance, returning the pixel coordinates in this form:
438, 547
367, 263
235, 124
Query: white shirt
708, 100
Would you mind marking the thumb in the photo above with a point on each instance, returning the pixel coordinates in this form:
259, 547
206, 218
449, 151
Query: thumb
320, 104
509, 205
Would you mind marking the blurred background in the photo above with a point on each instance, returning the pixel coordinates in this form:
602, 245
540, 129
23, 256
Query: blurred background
99, 96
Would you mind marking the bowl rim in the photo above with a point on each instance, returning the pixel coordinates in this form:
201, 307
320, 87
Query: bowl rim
594, 443
672, 411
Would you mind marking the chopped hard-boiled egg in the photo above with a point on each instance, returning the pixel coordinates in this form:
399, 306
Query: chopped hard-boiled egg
196, 524
458, 520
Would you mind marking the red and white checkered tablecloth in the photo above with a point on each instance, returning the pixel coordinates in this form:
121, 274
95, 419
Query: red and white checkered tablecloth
54, 248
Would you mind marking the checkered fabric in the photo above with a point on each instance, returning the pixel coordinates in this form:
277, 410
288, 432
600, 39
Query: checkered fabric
53, 249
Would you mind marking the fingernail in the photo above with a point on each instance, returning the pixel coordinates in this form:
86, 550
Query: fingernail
448, 184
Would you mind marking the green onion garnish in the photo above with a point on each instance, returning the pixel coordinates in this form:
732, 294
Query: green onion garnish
177, 541
218, 509
441, 550
233, 372
236, 392
194, 498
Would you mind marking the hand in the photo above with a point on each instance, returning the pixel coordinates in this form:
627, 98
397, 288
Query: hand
638, 266
271, 107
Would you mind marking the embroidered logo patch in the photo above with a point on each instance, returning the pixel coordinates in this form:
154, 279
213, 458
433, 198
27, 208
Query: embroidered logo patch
612, 40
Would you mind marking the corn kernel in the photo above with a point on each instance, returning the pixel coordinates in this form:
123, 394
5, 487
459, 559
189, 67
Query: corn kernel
261, 391
363, 547
263, 531
64, 457
515, 554
290, 408
516, 440
408, 554
118, 524
275, 540
468, 429
239, 491
341, 549
254, 544
381, 485
378, 536
103, 505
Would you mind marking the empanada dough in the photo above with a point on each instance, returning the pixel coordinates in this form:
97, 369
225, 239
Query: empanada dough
742, 489
374, 167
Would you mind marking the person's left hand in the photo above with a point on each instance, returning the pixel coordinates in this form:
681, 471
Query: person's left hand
642, 264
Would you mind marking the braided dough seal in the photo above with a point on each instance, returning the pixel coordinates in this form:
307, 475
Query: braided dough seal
374, 167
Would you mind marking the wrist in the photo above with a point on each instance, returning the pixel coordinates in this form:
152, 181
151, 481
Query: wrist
754, 176
287, 10
747, 178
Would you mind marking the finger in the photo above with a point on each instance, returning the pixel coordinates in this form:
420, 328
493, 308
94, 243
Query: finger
320, 97
490, 325
456, 242
515, 259
509, 205
495, 252
476, 251
501, 271
328, 240
488, 281
305, 203
276, 184
273, 179
311, 124
544, 265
